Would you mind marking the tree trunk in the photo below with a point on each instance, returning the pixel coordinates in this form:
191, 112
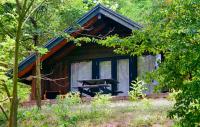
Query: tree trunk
38, 73
38, 81
22, 10
14, 100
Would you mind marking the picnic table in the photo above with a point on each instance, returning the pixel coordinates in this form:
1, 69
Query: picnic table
93, 86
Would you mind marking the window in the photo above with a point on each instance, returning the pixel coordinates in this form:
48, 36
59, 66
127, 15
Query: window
80, 71
104, 68
146, 64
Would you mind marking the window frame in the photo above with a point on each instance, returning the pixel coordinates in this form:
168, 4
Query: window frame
96, 69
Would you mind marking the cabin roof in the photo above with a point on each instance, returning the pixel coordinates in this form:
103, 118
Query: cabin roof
95, 12
100, 9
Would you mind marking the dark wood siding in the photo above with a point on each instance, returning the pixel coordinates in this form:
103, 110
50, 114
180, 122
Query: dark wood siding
58, 77
58, 67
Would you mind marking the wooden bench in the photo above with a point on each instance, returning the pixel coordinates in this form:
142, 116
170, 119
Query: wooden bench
93, 86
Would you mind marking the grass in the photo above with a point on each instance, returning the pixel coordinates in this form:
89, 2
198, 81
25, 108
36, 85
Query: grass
137, 114
97, 114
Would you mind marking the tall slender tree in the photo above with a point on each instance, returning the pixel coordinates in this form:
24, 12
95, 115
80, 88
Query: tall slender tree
23, 8
37, 64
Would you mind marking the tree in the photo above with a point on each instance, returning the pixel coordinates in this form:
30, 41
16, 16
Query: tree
137, 10
22, 11
173, 30
38, 72
41, 27
56, 13
7, 36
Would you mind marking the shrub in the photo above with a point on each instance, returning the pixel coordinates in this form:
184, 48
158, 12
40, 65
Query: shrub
137, 90
187, 106
173, 94
64, 109
100, 105
70, 99
101, 101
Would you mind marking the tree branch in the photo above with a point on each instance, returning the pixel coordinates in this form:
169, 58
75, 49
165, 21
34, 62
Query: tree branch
29, 6
4, 112
44, 75
99, 36
18, 6
24, 8
26, 39
47, 79
7, 91
32, 12
5, 99
6, 31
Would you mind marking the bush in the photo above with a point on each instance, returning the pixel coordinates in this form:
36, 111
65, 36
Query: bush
70, 99
23, 94
172, 94
137, 90
65, 109
100, 104
187, 106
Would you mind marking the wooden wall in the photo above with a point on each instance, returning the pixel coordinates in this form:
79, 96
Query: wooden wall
60, 68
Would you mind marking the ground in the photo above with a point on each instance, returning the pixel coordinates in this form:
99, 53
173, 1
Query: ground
99, 113
136, 114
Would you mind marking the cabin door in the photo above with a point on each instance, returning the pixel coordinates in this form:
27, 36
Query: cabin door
123, 76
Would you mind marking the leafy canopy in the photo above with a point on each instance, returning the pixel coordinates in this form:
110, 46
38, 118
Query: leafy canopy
173, 30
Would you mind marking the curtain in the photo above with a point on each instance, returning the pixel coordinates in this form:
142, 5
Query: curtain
146, 64
80, 71
123, 76
105, 70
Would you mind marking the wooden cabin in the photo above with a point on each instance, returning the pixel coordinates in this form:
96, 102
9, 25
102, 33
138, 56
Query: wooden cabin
66, 64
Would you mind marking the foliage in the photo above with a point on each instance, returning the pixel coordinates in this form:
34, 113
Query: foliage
147, 104
6, 52
173, 30
15, 23
56, 13
100, 104
137, 90
149, 120
121, 113
137, 10
75, 110
6, 84
173, 94
187, 106
67, 117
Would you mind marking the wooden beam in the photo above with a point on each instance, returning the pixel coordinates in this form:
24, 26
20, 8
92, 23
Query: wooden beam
85, 26
96, 30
